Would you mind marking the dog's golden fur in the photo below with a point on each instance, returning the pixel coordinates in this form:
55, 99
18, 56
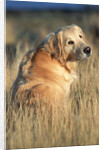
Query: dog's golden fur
48, 71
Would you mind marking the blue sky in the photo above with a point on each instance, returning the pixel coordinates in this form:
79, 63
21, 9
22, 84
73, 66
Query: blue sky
23, 5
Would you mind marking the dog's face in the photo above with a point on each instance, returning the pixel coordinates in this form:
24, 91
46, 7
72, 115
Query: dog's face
68, 43
73, 43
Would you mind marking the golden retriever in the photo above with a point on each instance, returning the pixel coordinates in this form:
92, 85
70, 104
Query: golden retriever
47, 72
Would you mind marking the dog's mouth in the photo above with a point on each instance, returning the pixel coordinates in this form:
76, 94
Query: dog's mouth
88, 55
83, 56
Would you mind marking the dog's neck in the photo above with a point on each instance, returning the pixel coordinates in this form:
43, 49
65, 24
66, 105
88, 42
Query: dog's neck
69, 66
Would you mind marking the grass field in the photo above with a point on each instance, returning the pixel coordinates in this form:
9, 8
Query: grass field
78, 122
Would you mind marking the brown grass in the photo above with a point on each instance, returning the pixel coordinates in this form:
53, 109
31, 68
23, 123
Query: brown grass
76, 123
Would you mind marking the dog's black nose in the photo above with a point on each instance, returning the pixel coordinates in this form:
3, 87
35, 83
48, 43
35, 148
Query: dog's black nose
87, 50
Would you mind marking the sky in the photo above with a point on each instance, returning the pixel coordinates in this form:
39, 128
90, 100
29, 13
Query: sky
24, 5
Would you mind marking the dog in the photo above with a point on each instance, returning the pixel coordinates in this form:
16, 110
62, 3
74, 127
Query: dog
47, 72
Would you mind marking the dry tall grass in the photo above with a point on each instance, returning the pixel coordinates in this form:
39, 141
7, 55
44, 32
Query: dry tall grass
75, 123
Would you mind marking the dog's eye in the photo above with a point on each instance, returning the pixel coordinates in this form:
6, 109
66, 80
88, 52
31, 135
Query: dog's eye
80, 36
70, 42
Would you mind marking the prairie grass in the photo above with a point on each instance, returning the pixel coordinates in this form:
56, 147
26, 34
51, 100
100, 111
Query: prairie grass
77, 121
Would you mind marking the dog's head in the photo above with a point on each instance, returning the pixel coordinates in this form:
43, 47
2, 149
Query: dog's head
67, 44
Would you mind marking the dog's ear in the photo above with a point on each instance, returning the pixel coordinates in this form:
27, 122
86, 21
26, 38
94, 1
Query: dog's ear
58, 43
53, 45
46, 45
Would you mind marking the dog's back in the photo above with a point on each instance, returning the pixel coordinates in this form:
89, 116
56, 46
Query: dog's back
42, 78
